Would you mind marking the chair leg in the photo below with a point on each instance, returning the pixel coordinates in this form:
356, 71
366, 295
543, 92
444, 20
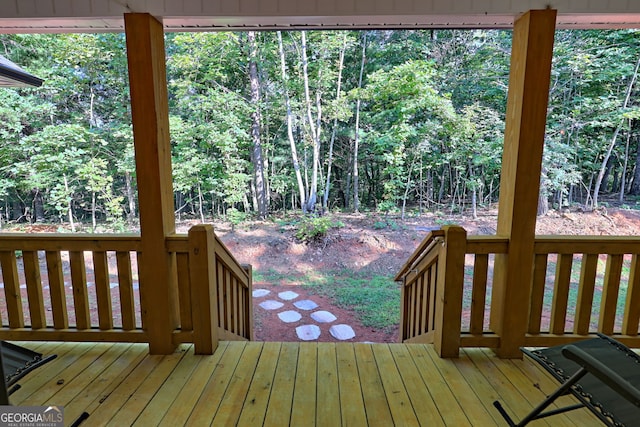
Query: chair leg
537, 413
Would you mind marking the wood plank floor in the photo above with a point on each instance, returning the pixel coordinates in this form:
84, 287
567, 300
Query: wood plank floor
279, 384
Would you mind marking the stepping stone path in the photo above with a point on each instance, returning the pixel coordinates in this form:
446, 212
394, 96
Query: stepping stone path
259, 293
305, 304
290, 316
271, 304
323, 316
307, 331
342, 332
288, 295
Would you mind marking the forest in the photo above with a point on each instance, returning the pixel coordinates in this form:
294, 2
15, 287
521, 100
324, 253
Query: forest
313, 121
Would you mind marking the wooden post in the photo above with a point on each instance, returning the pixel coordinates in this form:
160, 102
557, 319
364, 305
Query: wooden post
204, 300
527, 101
249, 303
448, 315
150, 114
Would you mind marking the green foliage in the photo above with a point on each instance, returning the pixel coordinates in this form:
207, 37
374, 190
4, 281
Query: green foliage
313, 228
432, 107
236, 217
387, 223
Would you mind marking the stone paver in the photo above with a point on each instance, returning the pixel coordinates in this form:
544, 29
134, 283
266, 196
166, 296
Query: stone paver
287, 295
342, 332
306, 304
290, 316
308, 332
323, 316
271, 304
259, 293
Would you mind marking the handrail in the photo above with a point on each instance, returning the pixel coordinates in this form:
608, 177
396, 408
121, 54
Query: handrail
69, 242
568, 274
213, 290
179, 243
425, 246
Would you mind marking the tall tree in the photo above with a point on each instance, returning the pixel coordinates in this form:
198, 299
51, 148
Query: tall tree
257, 160
292, 141
356, 142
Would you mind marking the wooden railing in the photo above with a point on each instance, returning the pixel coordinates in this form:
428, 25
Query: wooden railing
581, 284
230, 293
86, 288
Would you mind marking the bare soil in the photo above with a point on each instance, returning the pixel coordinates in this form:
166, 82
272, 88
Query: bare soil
362, 245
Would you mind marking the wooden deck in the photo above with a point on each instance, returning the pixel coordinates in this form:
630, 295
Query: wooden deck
277, 384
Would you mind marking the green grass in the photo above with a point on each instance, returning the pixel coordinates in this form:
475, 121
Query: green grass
374, 299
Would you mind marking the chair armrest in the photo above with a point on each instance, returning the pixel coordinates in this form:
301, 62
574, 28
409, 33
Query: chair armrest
603, 373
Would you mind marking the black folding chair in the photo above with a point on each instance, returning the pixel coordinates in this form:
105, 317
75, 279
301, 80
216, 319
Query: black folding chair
16, 362
602, 373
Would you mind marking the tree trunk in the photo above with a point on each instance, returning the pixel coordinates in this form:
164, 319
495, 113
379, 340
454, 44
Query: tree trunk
356, 201
256, 153
543, 204
292, 142
625, 164
327, 187
635, 187
94, 222
605, 161
130, 197
313, 127
69, 208
200, 202
38, 205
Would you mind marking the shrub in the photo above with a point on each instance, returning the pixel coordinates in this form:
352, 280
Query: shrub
311, 228
235, 217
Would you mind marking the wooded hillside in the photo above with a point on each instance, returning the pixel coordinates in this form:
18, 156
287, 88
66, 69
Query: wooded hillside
353, 120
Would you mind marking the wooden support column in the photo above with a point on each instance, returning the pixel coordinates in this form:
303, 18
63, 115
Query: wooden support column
204, 288
150, 114
527, 101
450, 285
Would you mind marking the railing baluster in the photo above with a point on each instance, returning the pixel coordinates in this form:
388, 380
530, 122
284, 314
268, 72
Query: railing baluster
586, 287
478, 293
249, 301
13, 297
220, 294
34, 288
412, 307
632, 303
433, 287
537, 292
79, 284
424, 302
56, 290
228, 298
103, 290
125, 289
236, 305
610, 293
561, 294
184, 291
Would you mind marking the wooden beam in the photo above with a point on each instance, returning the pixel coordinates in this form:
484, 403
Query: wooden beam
203, 287
150, 115
532, 50
449, 291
